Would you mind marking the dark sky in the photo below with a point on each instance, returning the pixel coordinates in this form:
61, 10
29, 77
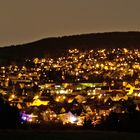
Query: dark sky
27, 20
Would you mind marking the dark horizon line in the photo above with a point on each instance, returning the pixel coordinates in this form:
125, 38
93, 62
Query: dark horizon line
72, 35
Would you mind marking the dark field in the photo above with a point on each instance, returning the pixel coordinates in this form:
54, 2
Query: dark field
66, 135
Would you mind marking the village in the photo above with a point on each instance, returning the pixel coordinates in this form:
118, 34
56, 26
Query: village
72, 89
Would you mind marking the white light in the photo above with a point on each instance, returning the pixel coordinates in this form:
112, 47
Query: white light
73, 119
138, 95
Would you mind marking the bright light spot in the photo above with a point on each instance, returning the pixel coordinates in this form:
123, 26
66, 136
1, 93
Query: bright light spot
72, 119
12, 96
138, 95
36, 97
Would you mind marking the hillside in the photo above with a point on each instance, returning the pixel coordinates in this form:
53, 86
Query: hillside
54, 47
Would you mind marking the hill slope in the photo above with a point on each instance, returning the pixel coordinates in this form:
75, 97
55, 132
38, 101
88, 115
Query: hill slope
56, 46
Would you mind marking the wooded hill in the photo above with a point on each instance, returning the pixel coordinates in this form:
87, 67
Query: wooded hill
55, 47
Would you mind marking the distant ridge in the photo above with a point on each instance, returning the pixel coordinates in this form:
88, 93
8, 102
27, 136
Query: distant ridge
54, 47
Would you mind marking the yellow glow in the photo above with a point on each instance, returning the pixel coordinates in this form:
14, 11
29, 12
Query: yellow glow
131, 89
36, 97
100, 96
12, 96
97, 65
38, 102
125, 50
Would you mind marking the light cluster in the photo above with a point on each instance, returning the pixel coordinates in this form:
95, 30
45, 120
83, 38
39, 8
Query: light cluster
79, 86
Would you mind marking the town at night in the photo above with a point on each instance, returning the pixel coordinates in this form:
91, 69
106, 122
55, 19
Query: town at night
78, 89
70, 70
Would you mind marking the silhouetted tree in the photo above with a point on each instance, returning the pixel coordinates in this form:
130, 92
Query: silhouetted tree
87, 124
9, 116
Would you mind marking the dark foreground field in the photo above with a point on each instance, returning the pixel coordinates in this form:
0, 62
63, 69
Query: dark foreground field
66, 135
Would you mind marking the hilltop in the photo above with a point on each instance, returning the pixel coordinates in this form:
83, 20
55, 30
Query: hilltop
56, 46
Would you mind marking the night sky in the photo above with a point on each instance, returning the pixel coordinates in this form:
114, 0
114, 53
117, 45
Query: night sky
28, 20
